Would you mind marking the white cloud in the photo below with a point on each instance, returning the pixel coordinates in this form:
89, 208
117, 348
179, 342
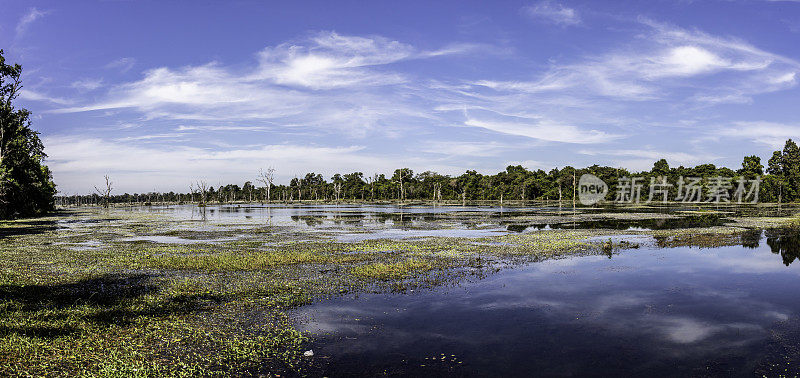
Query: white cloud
87, 84
665, 59
771, 134
330, 87
332, 60
455, 148
32, 95
544, 130
553, 12
685, 61
122, 64
789, 78
32, 15
332, 83
77, 160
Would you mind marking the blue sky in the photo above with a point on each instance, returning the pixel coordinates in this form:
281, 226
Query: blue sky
158, 94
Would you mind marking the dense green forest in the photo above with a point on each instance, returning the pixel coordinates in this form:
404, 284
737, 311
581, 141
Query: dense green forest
26, 185
780, 182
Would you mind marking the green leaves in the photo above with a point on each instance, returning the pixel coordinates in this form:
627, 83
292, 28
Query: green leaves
26, 185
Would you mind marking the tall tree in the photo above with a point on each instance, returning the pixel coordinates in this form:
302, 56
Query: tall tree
26, 185
751, 167
660, 168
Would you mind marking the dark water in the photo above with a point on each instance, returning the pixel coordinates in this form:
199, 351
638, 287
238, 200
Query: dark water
731, 311
691, 221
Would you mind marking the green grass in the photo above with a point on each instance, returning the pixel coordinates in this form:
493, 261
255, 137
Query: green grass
390, 271
117, 308
242, 261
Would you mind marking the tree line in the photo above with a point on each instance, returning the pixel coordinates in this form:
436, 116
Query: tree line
780, 182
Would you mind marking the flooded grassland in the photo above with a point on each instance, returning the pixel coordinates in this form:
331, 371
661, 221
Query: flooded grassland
373, 290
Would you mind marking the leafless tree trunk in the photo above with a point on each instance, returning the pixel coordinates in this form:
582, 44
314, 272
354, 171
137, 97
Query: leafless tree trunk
202, 188
106, 192
402, 193
372, 187
559, 194
370, 182
437, 191
573, 190
337, 188
267, 177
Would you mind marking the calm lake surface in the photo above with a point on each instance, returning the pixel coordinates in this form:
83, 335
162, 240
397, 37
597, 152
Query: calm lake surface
730, 311
399, 222
727, 311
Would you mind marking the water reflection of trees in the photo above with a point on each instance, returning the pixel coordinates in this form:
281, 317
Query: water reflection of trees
785, 242
751, 238
310, 220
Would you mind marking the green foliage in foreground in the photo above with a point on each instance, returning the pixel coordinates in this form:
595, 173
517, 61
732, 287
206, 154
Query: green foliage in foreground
133, 308
26, 185
388, 271
133, 325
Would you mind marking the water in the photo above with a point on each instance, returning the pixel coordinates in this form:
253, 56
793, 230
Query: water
174, 240
353, 223
730, 311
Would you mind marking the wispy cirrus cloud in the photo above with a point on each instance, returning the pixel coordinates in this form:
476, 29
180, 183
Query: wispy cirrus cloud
544, 130
328, 89
665, 59
465, 148
329, 80
552, 12
87, 84
771, 134
122, 64
26, 20
34, 95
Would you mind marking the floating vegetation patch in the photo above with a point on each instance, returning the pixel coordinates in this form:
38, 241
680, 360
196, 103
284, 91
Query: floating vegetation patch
131, 292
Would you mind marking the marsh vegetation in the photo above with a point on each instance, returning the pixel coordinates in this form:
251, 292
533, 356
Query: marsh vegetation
182, 290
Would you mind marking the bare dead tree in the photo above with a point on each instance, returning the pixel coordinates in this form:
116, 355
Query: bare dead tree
372, 187
202, 188
105, 192
437, 191
401, 179
299, 188
191, 192
267, 177
337, 188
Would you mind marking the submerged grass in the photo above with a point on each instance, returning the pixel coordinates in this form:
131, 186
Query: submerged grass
142, 308
389, 271
242, 261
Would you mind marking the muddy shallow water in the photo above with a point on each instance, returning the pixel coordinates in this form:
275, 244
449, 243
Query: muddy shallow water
649, 312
